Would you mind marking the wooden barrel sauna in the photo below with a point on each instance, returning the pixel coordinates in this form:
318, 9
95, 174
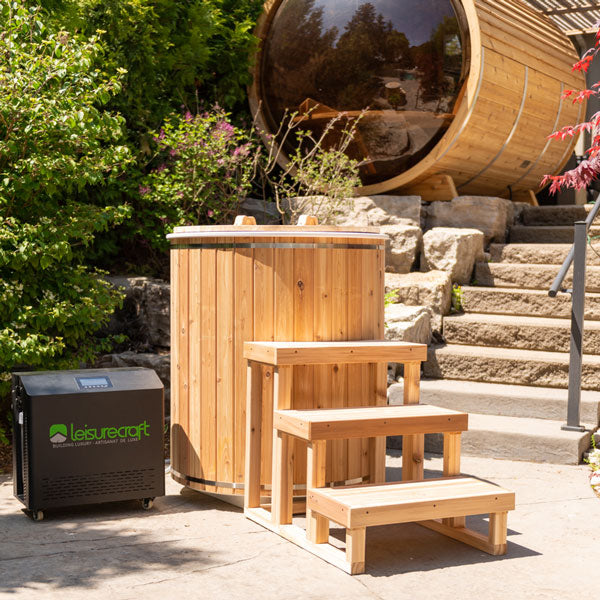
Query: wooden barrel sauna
459, 95
231, 284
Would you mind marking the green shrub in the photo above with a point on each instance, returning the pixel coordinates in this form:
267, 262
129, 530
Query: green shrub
176, 55
174, 52
55, 141
205, 169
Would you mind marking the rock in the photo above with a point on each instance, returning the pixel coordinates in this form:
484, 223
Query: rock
144, 317
402, 248
405, 323
432, 289
452, 250
161, 363
373, 211
492, 216
264, 212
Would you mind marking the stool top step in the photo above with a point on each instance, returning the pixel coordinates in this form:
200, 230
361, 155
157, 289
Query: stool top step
371, 421
316, 353
384, 504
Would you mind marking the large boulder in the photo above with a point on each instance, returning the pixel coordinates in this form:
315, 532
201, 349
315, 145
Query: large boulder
492, 216
432, 289
264, 212
402, 247
373, 211
382, 210
405, 323
452, 250
145, 316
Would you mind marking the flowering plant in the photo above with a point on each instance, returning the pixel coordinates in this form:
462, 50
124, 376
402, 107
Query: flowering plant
204, 171
594, 461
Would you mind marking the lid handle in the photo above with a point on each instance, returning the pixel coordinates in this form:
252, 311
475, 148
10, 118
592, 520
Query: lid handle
307, 220
244, 220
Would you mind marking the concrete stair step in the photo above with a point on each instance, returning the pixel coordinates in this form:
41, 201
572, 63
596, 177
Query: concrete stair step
526, 333
541, 254
537, 277
515, 438
545, 234
555, 215
501, 399
515, 301
507, 365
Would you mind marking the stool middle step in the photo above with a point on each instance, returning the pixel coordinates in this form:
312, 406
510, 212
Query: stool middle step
373, 421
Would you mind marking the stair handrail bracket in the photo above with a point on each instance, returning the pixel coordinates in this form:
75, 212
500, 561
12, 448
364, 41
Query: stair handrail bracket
576, 257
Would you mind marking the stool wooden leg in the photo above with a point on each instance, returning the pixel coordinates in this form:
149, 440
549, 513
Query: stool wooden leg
282, 466
413, 446
253, 435
452, 467
355, 549
317, 526
497, 532
282, 484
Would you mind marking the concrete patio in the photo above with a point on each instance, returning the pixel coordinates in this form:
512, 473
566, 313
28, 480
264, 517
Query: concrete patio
192, 545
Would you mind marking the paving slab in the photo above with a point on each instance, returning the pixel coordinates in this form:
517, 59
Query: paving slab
193, 545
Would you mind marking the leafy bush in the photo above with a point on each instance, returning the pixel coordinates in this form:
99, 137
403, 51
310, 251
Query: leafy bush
55, 140
173, 52
318, 177
205, 169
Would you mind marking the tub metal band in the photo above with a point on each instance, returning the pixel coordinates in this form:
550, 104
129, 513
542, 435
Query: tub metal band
240, 486
234, 245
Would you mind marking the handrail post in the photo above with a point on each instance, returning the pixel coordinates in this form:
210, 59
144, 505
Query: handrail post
577, 313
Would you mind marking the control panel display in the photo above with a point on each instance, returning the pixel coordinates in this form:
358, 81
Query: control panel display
93, 383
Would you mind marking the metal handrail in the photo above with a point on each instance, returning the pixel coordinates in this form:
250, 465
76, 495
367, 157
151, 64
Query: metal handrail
577, 258
554, 289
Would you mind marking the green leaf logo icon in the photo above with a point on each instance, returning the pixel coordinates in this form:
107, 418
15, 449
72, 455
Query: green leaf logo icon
58, 433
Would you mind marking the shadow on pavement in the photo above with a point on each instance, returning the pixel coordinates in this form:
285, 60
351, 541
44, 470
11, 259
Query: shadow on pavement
83, 546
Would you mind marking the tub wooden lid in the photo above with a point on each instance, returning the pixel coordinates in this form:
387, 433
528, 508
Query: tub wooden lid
273, 231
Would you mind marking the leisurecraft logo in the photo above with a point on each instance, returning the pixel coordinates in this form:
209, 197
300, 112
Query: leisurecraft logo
60, 433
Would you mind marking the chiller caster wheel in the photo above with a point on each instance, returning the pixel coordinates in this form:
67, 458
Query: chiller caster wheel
37, 515
147, 503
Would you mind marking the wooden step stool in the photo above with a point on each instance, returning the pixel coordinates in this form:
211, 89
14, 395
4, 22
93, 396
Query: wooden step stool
438, 504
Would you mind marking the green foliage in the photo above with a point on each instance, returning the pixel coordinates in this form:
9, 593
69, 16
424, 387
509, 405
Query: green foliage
317, 170
390, 297
457, 298
205, 168
174, 52
55, 141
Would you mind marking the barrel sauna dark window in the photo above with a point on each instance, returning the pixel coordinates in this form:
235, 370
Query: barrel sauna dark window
404, 61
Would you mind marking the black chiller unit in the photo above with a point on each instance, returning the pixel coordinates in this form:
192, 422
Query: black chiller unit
88, 436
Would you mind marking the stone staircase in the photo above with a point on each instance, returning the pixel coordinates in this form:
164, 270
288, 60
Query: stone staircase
505, 358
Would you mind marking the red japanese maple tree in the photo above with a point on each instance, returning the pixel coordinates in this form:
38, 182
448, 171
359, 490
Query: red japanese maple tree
588, 169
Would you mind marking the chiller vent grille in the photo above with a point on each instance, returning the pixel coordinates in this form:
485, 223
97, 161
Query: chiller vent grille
98, 485
25, 456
